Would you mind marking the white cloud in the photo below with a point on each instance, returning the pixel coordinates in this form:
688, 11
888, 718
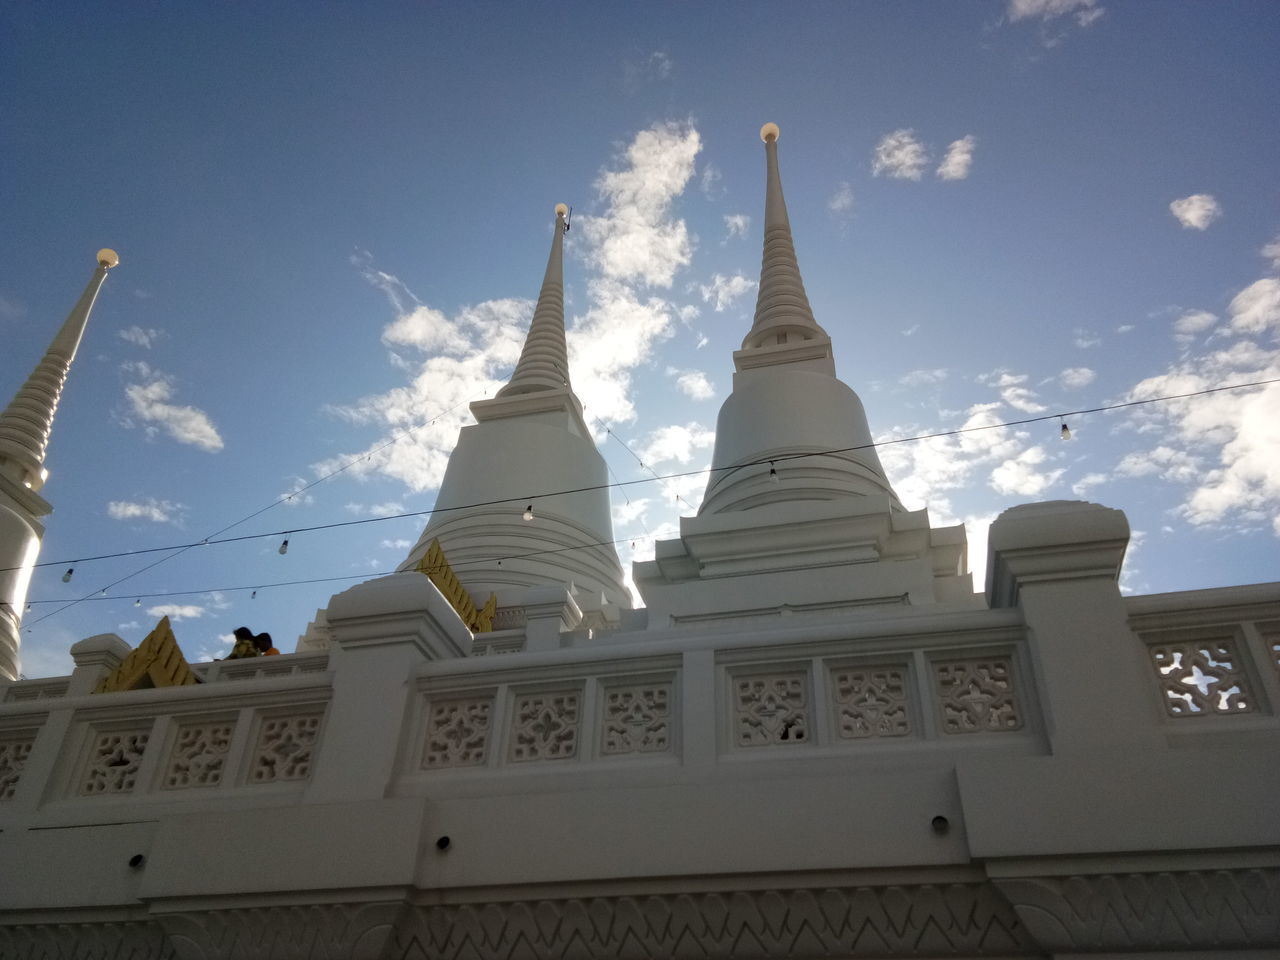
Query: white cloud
840, 203
899, 155
1125, 328
1224, 447
177, 611
1197, 211
1086, 483
295, 495
389, 508
959, 158
655, 66
709, 182
693, 383
1084, 339
1011, 390
1256, 307
1073, 378
736, 225
397, 544
675, 444
157, 511
1271, 251
1086, 11
635, 239
140, 336
149, 403
11, 309
1191, 324
1018, 475
911, 330
920, 378
723, 291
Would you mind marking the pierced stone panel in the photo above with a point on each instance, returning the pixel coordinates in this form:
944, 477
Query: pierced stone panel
544, 726
977, 696
770, 709
285, 748
871, 702
13, 760
637, 719
199, 755
114, 760
1201, 677
457, 733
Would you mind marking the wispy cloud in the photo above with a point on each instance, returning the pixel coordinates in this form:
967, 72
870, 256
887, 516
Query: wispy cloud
735, 225
1190, 325
723, 291
635, 240
1012, 390
1271, 251
692, 383
11, 309
177, 611
156, 511
840, 203
1084, 12
653, 66
1197, 211
1073, 378
920, 378
959, 158
140, 336
149, 404
899, 155
1225, 448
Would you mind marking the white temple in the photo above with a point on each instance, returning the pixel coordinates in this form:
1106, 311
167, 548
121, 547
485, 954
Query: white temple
813, 740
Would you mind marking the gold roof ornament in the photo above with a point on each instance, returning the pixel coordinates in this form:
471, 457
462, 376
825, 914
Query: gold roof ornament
438, 571
156, 662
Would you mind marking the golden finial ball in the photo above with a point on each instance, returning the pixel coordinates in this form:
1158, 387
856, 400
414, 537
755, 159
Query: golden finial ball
769, 132
108, 258
562, 210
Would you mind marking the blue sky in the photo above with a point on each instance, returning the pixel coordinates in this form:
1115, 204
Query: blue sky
332, 220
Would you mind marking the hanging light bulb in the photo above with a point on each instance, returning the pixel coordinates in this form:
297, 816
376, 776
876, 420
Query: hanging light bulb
284, 547
254, 595
773, 473
66, 577
528, 512
28, 608
1065, 432
138, 602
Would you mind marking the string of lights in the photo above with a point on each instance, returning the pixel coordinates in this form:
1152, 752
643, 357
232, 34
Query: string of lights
176, 549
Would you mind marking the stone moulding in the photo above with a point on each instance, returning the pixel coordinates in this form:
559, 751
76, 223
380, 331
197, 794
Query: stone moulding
1009, 917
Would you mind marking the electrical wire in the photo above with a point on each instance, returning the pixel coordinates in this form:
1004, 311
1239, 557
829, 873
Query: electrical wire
616, 484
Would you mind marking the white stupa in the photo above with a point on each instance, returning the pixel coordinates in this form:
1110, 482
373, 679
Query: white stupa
25, 427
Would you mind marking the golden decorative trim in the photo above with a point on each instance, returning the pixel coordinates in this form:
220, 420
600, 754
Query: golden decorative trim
436, 568
156, 662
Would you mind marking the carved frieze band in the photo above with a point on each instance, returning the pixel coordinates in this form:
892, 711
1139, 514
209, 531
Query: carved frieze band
14, 751
1195, 910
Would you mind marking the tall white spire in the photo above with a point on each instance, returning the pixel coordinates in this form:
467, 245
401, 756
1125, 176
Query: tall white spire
544, 361
782, 308
529, 443
25, 426
787, 405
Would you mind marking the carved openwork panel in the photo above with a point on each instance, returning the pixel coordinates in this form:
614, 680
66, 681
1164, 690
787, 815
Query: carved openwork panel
977, 695
771, 708
544, 726
1201, 678
115, 756
199, 755
14, 751
871, 702
637, 719
457, 732
286, 748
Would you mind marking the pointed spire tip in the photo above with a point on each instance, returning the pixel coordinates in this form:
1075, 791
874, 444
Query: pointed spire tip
108, 258
769, 132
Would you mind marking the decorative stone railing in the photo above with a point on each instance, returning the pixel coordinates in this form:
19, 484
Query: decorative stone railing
727, 701
46, 688
1212, 653
209, 740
